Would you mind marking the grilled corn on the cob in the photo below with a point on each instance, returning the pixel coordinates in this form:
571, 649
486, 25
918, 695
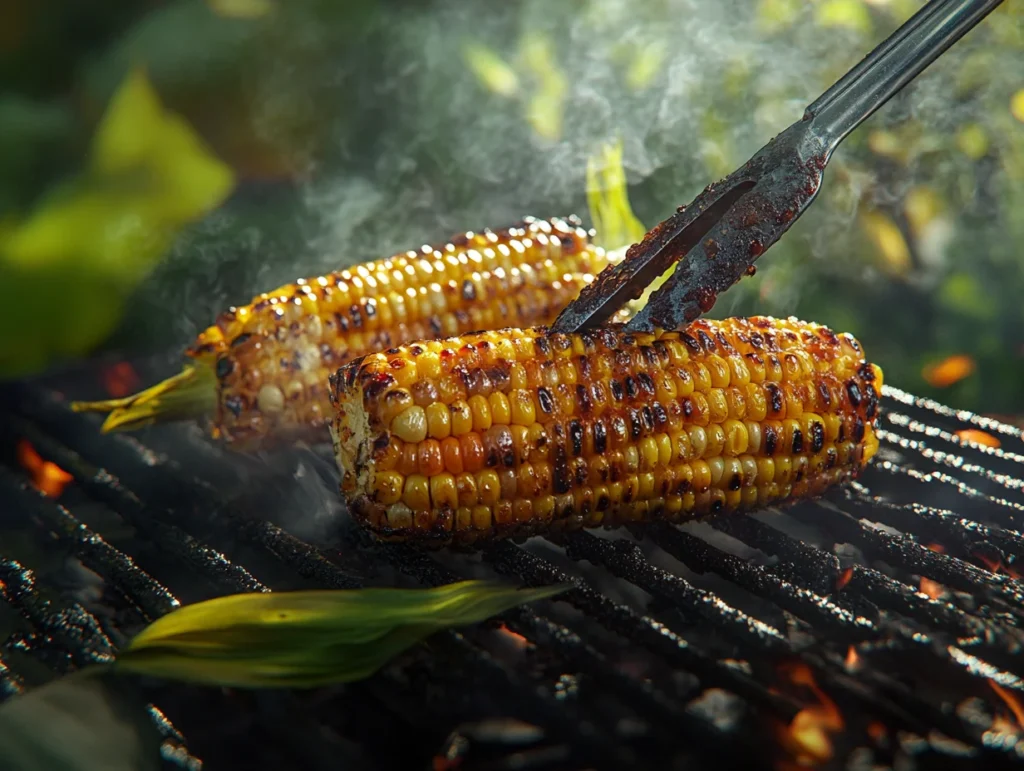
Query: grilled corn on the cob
260, 372
519, 431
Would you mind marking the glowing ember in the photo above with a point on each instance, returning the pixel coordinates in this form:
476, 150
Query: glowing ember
932, 589
1012, 702
47, 477
996, 565
120, 380
936, 547
844, 578
808, 737
876, 731
978, 437
514, 637
852, 659
948, 371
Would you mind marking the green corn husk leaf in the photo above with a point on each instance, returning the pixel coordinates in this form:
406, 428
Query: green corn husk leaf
308, 638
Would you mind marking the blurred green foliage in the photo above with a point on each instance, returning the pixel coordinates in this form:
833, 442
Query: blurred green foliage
356, 129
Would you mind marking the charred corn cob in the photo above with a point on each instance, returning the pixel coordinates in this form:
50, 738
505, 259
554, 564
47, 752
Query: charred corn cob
519, 431
260, 372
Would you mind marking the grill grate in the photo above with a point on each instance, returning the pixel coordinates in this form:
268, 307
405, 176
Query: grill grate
672, 649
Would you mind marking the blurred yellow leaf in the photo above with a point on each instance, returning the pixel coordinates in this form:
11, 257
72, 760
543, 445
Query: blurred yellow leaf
67, 267
545, 108
776, 15
972, 141
1017, 105
888, 145
646, 64
608, 200
922, 205
893, 252
241, 9
490, 69
850, 14
950, 370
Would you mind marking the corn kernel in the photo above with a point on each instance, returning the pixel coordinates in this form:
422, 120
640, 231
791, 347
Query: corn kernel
439, 420
410, 425
461, 418
443, 491
481, 412
465, 487
417, 492
524, 412
716, 441
501, 414
736, 438
719, 371
387, 487
488, 486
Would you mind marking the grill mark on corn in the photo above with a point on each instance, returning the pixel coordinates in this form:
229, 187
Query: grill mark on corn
728, 430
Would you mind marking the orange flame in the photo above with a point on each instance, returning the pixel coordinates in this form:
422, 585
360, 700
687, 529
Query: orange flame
1002, 723
852, 659
47, 477
876, 731
120, 380
931, 588
936, 547
844, 578
978, 437
950, 370
807, 738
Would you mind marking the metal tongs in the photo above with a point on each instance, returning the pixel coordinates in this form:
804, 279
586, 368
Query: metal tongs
734, 221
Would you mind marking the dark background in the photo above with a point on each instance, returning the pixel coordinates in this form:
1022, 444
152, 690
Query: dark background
348, 131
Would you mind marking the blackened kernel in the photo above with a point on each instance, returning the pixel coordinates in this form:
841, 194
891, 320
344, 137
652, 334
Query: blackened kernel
370, 308
647, 416
547, 404
688, 407
717, 505
576, 435
817, 437
542, 345
600, 437
357, 316
660, 416
616, 390
690, 342
583, 365
824, 393
225, 366
798, 441
235, 404
771, 439
468, 290
646, 383
706, 341
853, 391
631, 389
776, 399
635, 425
858, 429
583, 399
735, 482
240, 339
560, 480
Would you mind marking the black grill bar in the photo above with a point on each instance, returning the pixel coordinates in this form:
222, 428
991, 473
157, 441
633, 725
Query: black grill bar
625, 560
150, 598
995, 456
928, 522
818, 611
912, 556
646, 700
11, 683
933, 409
512, 560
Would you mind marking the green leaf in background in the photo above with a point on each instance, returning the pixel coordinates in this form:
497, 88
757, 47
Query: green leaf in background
308, 638
491, 70
87, 721
67, 267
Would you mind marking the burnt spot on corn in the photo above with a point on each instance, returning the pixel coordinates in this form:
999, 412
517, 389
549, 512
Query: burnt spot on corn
853, 392
817, 437
776, 399
544, 400
798, 441
771, 439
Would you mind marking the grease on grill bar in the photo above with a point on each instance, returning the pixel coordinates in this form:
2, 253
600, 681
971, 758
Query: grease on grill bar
780, 640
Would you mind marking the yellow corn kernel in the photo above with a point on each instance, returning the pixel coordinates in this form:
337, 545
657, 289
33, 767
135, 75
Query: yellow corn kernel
501, 413
439, 420
481, 411
387, 488
410, 425
443, 491
417, 493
